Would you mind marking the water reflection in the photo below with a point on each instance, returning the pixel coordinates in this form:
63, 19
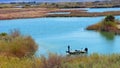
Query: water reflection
108, 35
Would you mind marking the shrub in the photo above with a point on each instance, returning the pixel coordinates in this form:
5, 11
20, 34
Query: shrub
109, 21
3, 34
15, 33
110, 18
17, 45
53, 61
108, 24
56, 61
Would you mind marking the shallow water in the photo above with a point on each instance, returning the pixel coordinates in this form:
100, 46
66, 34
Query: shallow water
94, 9
55, 34
102, 9
58, 13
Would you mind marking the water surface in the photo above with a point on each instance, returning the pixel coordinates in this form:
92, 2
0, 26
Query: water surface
55, 34
102, 9
58, 13
94, 9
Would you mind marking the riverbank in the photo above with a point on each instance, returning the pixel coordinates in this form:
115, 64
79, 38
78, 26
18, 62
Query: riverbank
18, 13
18, 52
77, 13
56, 61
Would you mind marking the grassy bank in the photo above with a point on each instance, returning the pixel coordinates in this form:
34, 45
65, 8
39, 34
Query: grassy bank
109, 24
55, 61
18, 13
77, 13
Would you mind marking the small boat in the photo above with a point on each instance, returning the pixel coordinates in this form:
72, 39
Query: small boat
76, 52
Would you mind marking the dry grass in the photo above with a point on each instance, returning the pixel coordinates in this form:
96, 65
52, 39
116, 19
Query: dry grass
16, 13
93, 61
78, 13
17, 45
56, 61
17, 51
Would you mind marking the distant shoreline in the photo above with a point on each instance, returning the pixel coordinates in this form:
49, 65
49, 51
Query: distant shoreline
21, 13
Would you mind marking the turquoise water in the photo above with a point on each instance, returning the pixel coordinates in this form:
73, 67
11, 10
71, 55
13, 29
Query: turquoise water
55, 34
94, 9
102, 9
59, 13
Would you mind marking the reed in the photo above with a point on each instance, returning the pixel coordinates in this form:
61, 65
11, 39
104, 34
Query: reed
57, 61
17, 51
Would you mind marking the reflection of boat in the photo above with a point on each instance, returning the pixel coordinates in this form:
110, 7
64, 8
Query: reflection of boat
76, 52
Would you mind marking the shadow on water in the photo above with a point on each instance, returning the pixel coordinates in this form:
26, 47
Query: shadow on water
108, 35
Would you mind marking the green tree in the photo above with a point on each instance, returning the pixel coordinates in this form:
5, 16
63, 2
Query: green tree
110, 18
3, 34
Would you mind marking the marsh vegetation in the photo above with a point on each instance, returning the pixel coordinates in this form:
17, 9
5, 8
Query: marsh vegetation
16, 45
109, 24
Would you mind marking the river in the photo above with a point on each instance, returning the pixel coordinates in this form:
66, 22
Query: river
94, 9
55, 34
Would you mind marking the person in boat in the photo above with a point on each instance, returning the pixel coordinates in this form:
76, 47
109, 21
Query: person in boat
68, 49
86, 49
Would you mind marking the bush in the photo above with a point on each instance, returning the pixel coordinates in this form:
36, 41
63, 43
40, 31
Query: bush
92, 61
3, 34
53, 61
56, 61
110, 18
109, 21
17, 45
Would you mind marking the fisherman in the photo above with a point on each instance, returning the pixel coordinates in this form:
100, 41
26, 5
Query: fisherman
86, 49
68, 48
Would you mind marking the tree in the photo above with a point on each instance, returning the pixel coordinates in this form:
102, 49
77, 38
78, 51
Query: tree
3, 34
110, 18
